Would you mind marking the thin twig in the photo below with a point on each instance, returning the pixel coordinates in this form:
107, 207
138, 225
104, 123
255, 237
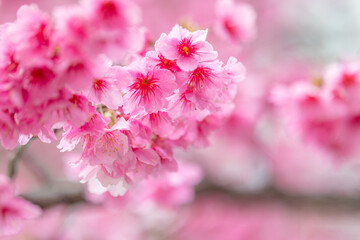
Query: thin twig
13, 161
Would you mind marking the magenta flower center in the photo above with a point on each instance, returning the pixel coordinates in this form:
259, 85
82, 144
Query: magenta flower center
144, 87
13, 65
186, 48
230, 27
41, 76
200, 77
75, 68
108, 10
348, 79
99, 84
166, 64
75, 100
41, 36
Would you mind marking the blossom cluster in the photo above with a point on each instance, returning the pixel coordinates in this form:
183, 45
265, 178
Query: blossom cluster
49, 65
325, 110
172, 97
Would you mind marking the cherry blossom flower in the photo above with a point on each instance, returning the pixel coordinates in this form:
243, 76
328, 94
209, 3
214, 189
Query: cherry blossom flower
235, 21
148, 88
187, 48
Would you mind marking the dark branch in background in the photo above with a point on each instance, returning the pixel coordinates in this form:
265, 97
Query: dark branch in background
60, 192
272, 194
14, 159
18, 152
73, 192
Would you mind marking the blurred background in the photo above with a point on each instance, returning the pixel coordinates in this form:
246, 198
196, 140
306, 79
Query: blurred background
257, 179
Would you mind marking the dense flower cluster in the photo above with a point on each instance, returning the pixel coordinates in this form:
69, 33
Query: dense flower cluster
49, 66
172, 97
325, 111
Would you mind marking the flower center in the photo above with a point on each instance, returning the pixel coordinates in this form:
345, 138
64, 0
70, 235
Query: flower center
167, 64
41, 76
108, 10
99, 84
186, 48
200, 77
144, 87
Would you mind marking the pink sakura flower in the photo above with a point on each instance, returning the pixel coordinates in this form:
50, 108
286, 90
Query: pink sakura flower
78, 67
207, 87
159, 122
107, 178
148, 161
324, 114
235, 21
31, 33
72, 108
148, 88
104, 89
158, 60
41, 84
13, 210
180, 103
113, 14
111, 146
72, 135
114, 27
341, 85
172, 188
107, 156
9, 133
187, 48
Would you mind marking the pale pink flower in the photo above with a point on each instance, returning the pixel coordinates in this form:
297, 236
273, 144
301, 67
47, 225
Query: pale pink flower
159, 122
172, 189
9, 133
73, 135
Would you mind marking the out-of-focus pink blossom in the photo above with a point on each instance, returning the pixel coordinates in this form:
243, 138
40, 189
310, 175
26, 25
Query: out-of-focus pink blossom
13, 210
324, 111
235, 21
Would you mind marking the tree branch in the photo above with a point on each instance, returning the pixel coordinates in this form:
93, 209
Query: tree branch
272, 194
60, 192
14, 159
73, 192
